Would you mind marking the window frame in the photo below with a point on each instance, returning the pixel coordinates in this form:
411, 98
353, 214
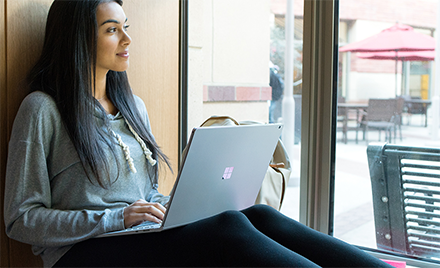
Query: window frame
183, 75
316, 129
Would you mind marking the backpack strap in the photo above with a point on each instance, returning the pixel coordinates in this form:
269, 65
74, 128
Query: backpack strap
219, 120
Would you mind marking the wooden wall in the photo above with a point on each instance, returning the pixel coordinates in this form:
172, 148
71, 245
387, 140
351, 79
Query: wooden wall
153, 72
4, 248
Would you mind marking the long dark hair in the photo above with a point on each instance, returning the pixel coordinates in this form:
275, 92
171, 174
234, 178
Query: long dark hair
65, 71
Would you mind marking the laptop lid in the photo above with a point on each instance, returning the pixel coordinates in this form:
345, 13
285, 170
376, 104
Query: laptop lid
223, 170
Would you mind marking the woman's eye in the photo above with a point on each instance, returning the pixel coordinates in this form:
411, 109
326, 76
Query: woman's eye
111, 30
126, 27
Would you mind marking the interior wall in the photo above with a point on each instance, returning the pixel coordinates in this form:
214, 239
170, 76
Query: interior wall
153, 71
24, 33
153, 75
4, 249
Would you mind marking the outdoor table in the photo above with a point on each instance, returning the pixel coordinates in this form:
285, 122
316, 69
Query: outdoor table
345, 107
425, 103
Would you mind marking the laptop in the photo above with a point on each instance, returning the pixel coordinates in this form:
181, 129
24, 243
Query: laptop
223, 170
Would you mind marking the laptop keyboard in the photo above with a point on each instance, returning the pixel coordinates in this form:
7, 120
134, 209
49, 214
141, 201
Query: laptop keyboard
145, 226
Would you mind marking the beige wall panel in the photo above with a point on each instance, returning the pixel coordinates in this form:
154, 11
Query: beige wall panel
153, 71
26, 21
24, 35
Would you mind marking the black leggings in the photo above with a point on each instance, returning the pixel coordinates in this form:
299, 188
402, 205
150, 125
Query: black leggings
257, 236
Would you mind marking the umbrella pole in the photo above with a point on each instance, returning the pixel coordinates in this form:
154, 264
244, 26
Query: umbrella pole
395, 74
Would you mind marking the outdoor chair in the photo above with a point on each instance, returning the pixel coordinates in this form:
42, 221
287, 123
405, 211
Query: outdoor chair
381, 115
406, 198
411, 108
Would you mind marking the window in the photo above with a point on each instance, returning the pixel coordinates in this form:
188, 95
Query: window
376, 95
237, 68
233, 45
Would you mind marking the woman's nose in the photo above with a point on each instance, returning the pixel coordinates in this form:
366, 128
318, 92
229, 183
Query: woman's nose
126, 39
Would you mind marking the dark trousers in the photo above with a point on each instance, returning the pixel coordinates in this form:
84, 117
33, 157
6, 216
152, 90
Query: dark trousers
257, 236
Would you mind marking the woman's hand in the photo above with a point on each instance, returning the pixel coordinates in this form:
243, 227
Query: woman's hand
141, 211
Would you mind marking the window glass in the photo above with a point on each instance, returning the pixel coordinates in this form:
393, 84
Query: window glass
237, 68
385, 197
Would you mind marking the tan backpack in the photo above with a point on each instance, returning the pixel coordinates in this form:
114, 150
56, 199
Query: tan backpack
277, 176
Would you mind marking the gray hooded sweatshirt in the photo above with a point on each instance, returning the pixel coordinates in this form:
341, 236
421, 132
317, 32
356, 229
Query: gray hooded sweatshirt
49, 201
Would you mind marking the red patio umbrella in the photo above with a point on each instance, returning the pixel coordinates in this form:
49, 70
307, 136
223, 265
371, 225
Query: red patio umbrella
399, 42
399, 37
426, 55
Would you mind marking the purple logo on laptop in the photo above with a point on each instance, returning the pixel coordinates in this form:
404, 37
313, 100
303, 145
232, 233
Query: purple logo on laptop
228, 173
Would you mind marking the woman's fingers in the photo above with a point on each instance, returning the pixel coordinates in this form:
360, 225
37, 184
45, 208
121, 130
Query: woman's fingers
141, 211
149, 211
142, 206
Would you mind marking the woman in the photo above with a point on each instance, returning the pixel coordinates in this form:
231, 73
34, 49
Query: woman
64, 188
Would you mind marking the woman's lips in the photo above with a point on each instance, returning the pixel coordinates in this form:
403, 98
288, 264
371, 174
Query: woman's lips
124, 55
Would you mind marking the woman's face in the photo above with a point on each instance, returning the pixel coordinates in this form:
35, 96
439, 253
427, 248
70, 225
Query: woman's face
113, 40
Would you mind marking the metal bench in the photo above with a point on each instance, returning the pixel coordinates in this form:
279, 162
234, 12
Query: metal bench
406, 198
